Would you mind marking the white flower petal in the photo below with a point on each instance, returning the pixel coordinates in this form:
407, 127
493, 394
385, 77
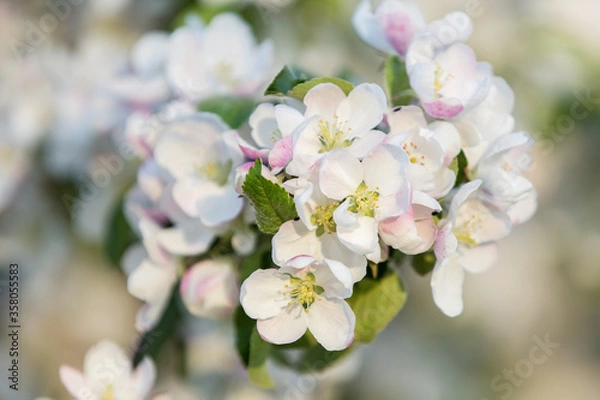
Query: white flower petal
323, 100
478, 259
218, 204
73, 380
286, 327
176, 154
340, 174
187, 238
261, 294
332, 322
151, 281
369, 29
446, 285
210, 289
362, 237
363, 109
143, 377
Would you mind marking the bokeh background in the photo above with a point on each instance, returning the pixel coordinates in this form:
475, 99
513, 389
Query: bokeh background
56, 124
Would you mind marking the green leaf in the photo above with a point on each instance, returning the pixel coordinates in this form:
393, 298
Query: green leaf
459, 166
234, 111
423, 263
375, 303
317, 358
272, 204
154, 339
300, 90
119, 236
244, 325
286, 80
397, 83
257, 363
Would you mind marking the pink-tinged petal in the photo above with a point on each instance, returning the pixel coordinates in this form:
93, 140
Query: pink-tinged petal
73, 380
363, 110
445, 242
369, 29
407, 234
323, 100
406, 119
401, 22
332, 322
261, 294
340, 174
143, 377
209, 289
446, 285
187, 238
218, 204
282, 153
286, 327
254, 153
444, 108
478, 259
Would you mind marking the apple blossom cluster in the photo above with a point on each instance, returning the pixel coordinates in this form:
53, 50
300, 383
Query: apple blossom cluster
184, 199
366, 177
338, 183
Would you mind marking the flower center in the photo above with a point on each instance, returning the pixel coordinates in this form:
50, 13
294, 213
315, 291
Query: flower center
414, 157
224, 73
464, 232
276, 136
364, 201
109, 393
332, 136
322, 218
215, 171
304, 291
440, 79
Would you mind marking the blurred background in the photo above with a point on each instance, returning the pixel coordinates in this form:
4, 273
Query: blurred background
57, 125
